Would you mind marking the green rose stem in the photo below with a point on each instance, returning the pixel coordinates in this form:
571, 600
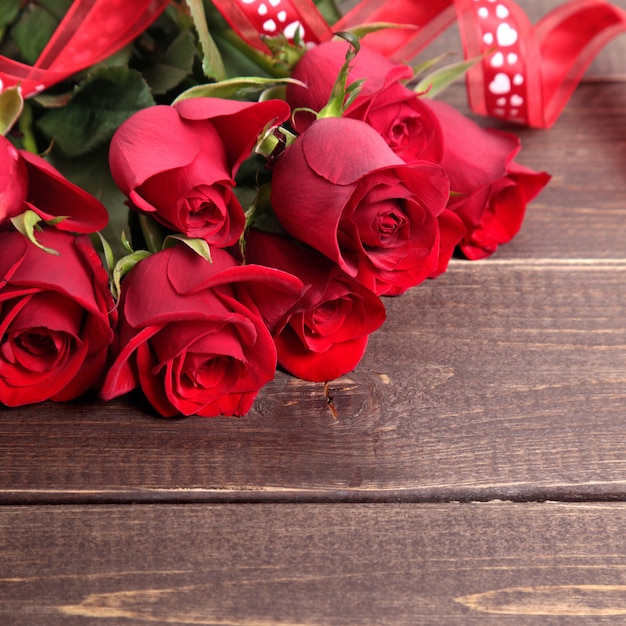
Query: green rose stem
264, 61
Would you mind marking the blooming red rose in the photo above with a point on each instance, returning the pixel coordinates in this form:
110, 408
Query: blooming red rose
396, 112
340, 189
178, 163
491, 190
324, 335
55, 318
193, 333
29, 182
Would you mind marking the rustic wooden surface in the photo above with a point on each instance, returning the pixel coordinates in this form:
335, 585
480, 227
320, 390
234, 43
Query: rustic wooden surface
502, 381
314, 564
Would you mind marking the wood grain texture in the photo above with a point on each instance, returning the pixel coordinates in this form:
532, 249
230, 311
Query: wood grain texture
500, 380
261, 565
496, 380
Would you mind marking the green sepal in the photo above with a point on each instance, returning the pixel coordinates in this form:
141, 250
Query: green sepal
284, 54
27, 222
11, 107
433, 84
126, 244
197, 244
107, 250
122, 267
270, 138
342, 95
236, 88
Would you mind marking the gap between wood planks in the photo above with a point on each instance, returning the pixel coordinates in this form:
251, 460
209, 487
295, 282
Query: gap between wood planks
544, 263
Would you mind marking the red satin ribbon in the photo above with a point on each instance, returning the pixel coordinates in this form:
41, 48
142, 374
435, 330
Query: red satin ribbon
90, 31
528, 72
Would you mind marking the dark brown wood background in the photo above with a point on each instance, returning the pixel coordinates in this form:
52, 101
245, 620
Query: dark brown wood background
474, 473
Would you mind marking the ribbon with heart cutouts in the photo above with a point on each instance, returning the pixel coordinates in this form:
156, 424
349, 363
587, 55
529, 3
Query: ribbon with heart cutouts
90, 31
527, 72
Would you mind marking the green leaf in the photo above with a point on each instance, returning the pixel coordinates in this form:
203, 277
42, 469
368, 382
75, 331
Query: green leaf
240, 88
26, 223
8, 11
175, 66
212, 63
96, 110
122, 267
433, 84
420, 68
361, 30
56, 8
11, 106
199, 246
32, 31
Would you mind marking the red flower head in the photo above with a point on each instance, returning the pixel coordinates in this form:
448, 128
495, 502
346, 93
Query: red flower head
178, 163
340, 189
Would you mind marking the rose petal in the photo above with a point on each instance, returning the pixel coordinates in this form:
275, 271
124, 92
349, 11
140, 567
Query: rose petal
153, 140
238, 123
51, 195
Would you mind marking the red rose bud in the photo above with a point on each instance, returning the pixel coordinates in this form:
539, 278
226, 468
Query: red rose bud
178, 163
491, 189
29, 182
56, 314
193, 333
324, 335
397, 113
362, 206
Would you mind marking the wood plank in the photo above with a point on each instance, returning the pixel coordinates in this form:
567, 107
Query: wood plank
496, 380
499, 379
494, 563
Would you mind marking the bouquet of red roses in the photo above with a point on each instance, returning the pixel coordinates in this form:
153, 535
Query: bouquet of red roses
253, 209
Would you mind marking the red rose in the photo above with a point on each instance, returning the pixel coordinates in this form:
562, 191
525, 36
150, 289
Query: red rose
178, 163
397, 113
340, 189
29, 182
324, 335
55, 318
193, 334
491, 190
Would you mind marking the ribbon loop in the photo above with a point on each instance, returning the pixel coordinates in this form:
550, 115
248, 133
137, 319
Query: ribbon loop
90, 31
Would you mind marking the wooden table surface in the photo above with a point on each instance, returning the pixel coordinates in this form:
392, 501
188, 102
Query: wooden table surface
473, 470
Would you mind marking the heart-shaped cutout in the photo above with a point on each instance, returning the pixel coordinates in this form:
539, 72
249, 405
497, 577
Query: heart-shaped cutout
500, 84
497, 60
506, 35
